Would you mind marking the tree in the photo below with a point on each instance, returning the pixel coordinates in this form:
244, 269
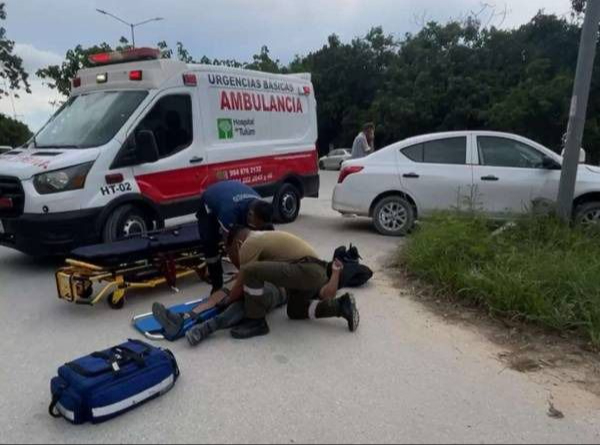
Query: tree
59, 77
448, 76
347, 77
11, 66
12, 132
263, 62
578, 6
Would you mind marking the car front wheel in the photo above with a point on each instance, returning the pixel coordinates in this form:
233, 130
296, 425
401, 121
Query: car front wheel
588, 214
393, 216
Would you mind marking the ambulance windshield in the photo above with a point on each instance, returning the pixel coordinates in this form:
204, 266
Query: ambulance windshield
89, 120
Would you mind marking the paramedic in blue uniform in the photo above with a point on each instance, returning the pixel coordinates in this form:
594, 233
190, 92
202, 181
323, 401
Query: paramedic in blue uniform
224, 206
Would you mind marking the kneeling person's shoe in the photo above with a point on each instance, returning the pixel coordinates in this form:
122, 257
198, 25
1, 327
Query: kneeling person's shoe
170, 322
250, 329
349, 311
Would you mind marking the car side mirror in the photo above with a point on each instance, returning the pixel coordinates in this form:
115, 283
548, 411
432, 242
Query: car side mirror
551, 164
146, 147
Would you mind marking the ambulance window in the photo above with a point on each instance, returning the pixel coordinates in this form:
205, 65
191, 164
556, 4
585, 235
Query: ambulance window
171, 122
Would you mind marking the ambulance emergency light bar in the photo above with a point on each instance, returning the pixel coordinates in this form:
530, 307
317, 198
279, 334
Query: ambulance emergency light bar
130, 55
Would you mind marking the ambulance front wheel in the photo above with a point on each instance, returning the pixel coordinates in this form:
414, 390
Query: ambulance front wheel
124, 222
287, 204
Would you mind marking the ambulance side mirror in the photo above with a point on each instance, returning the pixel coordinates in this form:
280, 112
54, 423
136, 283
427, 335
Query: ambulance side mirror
146, 147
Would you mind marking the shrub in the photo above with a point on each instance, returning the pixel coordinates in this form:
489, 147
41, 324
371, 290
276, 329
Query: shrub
537, 269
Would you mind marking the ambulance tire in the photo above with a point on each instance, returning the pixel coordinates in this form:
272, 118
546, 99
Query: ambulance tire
287, 204
125, 221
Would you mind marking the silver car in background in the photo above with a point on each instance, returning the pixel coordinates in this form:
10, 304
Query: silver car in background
335, 159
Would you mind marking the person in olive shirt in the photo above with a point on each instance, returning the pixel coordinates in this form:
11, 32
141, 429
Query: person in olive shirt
275, 267
290, 263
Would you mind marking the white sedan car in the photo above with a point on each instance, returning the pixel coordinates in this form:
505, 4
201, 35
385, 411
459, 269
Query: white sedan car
498, 174
335, 159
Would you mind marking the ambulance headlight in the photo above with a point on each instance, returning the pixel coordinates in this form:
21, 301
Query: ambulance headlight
72, 178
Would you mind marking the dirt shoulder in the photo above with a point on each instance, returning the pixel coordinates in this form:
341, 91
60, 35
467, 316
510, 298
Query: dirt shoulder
566, 366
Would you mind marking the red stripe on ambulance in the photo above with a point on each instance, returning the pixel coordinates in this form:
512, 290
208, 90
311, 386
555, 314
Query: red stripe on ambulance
185, 183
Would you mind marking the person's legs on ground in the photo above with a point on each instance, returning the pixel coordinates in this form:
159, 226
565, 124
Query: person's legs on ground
171, 323
233, 315
208, 227
303, 276
302, 306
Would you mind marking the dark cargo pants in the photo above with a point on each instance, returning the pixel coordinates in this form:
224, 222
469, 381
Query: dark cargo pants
302, 281
210, 233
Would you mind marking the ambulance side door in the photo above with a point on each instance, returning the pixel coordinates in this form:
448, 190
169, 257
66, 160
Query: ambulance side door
179, 175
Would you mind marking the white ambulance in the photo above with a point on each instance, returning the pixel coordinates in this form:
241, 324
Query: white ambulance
141, 138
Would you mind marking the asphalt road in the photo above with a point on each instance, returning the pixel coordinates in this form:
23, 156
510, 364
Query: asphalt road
405, 376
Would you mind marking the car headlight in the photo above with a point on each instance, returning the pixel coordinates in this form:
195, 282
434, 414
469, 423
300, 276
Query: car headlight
72, 178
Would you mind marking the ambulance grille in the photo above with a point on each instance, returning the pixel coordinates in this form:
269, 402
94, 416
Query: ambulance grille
12, 188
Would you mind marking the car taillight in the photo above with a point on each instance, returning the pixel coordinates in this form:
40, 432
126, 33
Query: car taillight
136, 75
347, 171
77, 82
6, 203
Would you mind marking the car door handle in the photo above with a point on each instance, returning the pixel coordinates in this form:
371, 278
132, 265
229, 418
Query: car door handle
490, 178
411, 175
196, 160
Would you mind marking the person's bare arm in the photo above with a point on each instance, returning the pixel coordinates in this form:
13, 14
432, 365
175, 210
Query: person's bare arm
237, 291
213, 301
329, 291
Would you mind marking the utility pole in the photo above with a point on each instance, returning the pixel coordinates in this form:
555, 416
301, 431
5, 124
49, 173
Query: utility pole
579, 103
131, 26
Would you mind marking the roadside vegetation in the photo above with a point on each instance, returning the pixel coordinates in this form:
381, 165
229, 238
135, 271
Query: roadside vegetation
537, 269
468, 73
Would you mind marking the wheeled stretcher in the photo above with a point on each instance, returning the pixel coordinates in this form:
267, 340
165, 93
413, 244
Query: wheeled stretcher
109, 271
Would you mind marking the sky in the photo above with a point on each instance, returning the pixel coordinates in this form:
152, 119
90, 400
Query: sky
43, 30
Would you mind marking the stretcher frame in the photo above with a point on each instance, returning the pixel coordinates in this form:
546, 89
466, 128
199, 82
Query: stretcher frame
75, 282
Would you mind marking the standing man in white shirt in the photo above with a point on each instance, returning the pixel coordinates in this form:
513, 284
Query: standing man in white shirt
364, 142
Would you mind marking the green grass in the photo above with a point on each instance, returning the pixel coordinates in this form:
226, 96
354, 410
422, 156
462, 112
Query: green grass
540, 270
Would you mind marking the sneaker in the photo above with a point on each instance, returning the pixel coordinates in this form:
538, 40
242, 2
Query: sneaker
170, 322
198, 334
250, 328
349, 311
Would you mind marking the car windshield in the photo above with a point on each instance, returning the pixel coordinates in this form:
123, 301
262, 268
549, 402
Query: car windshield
89, 120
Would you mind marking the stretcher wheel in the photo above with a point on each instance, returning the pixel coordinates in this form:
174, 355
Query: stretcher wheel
84, 290
87, 293
116, 306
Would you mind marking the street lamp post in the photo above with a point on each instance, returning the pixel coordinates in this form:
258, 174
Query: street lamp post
132, 26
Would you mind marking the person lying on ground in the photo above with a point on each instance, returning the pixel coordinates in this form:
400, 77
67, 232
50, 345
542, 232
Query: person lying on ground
223, 206
288, 262
233, 315
173, 323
